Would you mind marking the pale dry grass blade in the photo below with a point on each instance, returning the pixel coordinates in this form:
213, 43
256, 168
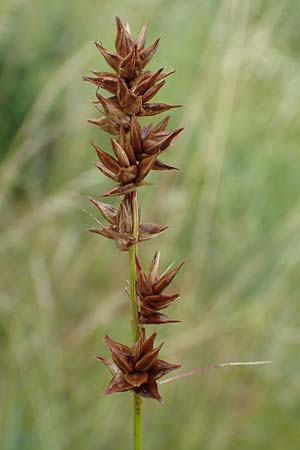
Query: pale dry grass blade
213, 366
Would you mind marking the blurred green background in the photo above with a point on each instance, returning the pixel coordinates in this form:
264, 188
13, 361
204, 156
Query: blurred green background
234, 210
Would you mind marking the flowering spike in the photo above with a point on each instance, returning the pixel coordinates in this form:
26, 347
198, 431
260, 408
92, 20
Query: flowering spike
121, 226
132, 88
149, 289
136, 369
136, 150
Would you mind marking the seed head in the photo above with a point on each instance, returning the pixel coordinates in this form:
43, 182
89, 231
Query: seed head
137, 368
121, 225
136, 149
150, 288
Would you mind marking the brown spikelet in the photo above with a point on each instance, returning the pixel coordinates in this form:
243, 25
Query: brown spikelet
132, 88
120, 228
136, 369
135, 158
150, 289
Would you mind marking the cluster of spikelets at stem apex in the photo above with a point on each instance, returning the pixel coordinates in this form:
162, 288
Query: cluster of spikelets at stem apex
137, 150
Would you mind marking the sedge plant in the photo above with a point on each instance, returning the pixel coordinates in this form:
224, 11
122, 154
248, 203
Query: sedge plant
136, 150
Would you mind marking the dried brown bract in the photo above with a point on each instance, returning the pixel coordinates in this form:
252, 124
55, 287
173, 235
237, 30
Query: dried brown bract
137, 368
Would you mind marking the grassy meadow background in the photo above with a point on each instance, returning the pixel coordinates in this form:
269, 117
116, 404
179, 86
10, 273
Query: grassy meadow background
234, 210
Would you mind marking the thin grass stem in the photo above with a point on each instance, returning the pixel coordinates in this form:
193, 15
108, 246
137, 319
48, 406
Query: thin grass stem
137, 400
213, 366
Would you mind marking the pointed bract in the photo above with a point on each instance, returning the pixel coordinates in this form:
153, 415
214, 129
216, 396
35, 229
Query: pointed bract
166, 279
113, 59
123, 42
141, 39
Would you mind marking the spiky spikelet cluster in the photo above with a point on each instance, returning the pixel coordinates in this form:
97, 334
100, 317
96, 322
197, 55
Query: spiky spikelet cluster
150, 288
121, 227
136, 369
135, 151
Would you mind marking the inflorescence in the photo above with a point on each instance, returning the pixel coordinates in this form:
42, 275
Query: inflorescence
136, 150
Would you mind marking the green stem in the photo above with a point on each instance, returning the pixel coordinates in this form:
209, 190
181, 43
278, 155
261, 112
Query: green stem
137, 400
138, 422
